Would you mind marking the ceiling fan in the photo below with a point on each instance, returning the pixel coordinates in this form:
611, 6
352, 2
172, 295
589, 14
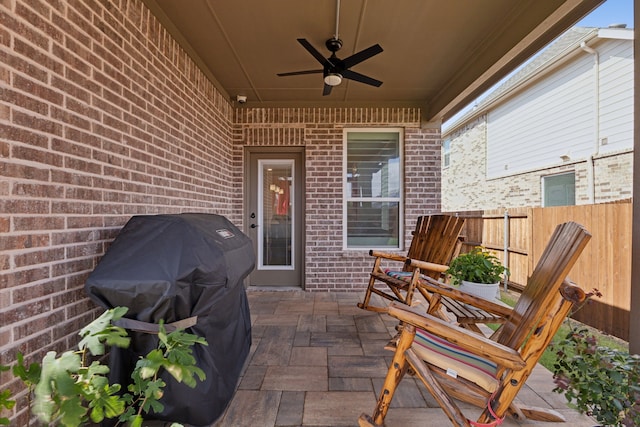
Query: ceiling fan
335, 69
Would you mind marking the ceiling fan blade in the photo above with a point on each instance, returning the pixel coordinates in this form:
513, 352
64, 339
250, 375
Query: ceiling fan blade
357, 58
313, 51
352, 75
326, 90
298, 73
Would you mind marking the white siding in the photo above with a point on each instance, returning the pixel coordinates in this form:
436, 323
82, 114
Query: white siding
546, 120
616, 95
556, 116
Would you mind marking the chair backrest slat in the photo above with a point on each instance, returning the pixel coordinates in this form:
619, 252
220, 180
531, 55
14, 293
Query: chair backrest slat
542, 291
435, 238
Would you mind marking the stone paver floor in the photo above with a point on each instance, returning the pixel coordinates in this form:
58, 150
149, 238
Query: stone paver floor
318, 360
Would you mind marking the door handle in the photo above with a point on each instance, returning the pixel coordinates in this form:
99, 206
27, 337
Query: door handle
253, 226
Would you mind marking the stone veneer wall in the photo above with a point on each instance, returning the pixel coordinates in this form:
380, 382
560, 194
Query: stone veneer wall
465, 186
320, 132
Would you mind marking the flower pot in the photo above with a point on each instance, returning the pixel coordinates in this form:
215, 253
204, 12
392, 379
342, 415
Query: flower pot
488, 291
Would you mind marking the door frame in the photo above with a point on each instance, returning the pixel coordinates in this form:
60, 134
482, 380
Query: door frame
251, 151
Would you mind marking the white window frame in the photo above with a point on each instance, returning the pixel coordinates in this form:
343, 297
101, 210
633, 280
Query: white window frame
346, 196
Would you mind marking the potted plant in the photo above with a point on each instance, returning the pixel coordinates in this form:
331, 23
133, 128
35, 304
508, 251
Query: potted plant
477, 272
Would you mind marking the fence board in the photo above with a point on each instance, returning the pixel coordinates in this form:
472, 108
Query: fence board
605, 264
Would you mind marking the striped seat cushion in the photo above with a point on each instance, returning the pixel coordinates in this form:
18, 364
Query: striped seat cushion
455, 360
402, 275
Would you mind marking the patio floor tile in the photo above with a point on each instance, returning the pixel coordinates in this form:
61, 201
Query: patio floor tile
318, 360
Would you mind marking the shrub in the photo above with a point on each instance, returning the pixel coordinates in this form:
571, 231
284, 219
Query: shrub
69, 391
597, 380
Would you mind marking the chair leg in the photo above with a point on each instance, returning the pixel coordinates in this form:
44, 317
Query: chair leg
540, 414
439, 394
367, 296
396, 372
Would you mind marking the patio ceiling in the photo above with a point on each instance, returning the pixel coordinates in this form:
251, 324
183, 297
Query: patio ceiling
438, 55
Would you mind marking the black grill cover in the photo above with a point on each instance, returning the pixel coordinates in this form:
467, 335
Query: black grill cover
173, 267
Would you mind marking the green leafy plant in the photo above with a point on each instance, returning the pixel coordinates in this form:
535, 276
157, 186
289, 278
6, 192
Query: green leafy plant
597, 380
478, 265
70, 391
5, 400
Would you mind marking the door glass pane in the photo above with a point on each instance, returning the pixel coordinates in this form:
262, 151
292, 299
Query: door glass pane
276, 214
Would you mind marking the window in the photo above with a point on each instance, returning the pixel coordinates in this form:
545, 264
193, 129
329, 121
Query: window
446, 152
372, 189
559, 190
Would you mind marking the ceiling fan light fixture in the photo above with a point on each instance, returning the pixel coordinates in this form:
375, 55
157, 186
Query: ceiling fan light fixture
333, 79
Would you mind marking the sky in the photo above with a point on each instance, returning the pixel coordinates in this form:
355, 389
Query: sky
608, 13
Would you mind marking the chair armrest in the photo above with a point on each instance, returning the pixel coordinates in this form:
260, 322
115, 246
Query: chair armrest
388, 255
437, 287
431, 266
471, 341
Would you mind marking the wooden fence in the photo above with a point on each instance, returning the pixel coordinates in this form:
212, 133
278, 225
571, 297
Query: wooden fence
605, 264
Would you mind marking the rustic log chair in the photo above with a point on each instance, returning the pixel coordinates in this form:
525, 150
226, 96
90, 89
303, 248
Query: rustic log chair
435, 241
500, 366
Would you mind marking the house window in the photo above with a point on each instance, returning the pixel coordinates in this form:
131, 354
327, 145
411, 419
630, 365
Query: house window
446, 152
372, 189
559, 190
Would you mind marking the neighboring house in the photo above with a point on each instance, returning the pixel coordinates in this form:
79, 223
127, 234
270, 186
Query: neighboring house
558, 132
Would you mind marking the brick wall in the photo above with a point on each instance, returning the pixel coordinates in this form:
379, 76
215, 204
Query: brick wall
465, 186
103, 116
320, 132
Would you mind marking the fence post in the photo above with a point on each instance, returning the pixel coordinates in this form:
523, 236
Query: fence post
505, 261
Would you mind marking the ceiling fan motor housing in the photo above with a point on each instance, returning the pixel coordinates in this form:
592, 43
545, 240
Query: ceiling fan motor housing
333, 44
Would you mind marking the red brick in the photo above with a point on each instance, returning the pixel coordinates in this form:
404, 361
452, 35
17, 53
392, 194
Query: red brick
37, 123
68, 177
37, 155
24, 101
37, 190
13, 170
21, 135
26, 311
37, 324
38, 90
82, 165
38, 257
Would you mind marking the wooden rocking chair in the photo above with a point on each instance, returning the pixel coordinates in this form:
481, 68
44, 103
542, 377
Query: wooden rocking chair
455, 363
435, 242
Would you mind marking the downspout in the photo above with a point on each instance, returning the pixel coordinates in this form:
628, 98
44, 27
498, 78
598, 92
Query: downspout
596, 151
